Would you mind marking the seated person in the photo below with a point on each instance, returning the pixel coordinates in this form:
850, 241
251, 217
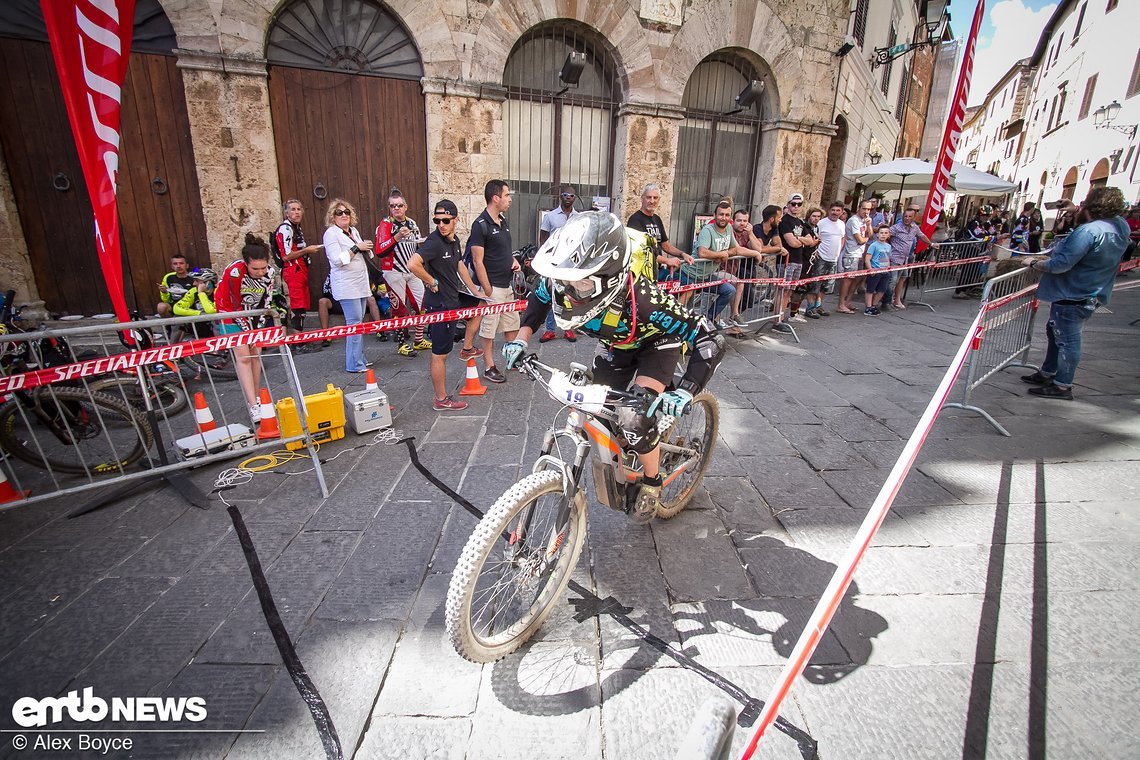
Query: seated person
197, 301
174, 285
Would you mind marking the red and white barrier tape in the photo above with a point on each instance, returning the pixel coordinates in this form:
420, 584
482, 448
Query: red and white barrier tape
845, 570
266, 337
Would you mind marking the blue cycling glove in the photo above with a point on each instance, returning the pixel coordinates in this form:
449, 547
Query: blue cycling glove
513, 351
675, 403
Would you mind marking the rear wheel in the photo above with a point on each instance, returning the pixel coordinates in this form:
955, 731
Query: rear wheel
166, 395
514, 568
70, 430
682, 471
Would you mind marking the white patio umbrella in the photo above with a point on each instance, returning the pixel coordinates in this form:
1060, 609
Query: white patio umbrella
904, 174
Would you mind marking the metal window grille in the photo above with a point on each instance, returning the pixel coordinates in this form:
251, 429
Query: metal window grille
557, 133
859, 29
718, 146
353, 36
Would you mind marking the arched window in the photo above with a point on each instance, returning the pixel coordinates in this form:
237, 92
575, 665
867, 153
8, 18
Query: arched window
356, 36
556, 131
1069, 186
719, 142
1099, 175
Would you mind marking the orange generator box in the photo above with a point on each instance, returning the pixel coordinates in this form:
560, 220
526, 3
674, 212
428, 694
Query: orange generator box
324, 414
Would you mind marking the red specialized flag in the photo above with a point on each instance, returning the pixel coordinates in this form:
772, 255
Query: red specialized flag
91, 41
945, 164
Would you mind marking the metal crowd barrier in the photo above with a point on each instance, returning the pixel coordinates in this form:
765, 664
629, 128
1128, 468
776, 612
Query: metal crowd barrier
1004, 334
947, 275
81, 411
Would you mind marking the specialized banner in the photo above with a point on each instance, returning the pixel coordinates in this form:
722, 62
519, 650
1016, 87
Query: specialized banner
936, 197
91, 42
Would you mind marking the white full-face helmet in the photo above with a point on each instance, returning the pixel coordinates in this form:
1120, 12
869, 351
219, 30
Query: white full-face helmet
586, 261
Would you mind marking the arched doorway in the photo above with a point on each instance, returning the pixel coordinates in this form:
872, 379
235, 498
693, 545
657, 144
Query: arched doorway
836, 151
556, 132
1099, 175
1069, 186
348, 112
719, 143
160, 207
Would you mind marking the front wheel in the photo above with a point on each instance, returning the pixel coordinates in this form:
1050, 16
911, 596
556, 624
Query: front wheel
686, 451
514, 568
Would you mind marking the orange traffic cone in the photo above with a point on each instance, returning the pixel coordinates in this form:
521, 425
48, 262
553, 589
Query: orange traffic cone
268, 427
202, 414
472, 386
7, 493
370, 381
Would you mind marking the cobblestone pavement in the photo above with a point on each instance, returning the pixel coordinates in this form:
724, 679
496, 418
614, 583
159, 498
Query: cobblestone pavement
993, 616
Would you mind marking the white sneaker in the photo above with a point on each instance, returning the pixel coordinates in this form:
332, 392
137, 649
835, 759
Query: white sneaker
255, 414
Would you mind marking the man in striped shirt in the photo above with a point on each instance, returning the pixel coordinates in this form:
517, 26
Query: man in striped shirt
396, 240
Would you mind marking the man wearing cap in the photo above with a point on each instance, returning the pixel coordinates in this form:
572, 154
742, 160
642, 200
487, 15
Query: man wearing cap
796, 236
439, 264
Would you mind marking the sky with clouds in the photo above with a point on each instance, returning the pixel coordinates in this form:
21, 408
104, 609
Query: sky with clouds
1010, 29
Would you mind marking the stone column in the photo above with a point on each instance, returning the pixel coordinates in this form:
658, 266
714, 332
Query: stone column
793, 159
15, 265
645, 151
464, 143
228, 103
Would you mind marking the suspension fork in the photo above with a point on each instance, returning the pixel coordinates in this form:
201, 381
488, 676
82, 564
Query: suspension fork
571, 480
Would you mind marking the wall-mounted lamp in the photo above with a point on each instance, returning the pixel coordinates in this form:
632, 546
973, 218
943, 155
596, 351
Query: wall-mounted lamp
934, 18
748, 96
572, 68
847, 46
1104, 117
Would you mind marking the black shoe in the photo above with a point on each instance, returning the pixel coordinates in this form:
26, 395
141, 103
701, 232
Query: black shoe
494, 375
1052, 391
1037, 379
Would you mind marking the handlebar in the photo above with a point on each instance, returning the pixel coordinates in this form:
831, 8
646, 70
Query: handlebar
530, 365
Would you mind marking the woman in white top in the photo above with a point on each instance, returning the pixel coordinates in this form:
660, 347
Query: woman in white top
348, 274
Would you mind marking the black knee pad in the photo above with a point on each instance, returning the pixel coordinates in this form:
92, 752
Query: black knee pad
639, 430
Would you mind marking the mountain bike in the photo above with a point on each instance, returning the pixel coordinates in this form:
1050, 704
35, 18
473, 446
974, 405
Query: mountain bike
517, 563
65, 428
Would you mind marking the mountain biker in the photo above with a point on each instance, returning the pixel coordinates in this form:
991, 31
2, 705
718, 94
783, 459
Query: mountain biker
592, 279
198, 300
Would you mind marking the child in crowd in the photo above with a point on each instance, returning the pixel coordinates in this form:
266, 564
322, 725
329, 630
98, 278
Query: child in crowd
878, 256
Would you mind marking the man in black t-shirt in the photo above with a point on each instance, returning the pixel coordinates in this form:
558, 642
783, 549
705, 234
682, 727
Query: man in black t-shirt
796, 235
492, 262
669, 257
174, 285
439, 263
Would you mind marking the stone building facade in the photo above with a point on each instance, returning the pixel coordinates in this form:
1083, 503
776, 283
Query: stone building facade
461, 48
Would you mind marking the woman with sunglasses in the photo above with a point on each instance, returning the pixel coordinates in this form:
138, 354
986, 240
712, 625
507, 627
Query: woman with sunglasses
348, 274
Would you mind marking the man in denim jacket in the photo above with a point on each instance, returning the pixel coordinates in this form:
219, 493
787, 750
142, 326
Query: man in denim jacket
1076, 279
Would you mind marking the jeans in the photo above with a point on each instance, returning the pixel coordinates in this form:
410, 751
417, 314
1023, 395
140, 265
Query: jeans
1063, 331
725, 292
550, 321
353, 345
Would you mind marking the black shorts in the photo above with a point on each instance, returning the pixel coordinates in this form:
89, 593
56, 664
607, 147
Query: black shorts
617, 368
442, 334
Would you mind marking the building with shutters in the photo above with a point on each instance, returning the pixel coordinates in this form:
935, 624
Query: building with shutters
230, 108
1039, 125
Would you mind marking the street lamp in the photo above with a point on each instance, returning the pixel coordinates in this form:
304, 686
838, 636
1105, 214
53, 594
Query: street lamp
875, 153
1105, 115
934, 19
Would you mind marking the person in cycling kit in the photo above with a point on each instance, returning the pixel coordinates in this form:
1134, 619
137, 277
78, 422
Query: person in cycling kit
591, 280
199, 300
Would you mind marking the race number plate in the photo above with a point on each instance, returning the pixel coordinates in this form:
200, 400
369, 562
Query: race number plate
588, 398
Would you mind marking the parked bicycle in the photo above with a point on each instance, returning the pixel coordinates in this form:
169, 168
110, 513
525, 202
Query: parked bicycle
66, 428
518, 561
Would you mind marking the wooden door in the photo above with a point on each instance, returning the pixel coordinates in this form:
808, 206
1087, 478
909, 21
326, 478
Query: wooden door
160, 209
348, 136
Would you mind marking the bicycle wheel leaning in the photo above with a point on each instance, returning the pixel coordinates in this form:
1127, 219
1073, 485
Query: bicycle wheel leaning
514, 568
166, 395
74, 431
220, 363
696, 430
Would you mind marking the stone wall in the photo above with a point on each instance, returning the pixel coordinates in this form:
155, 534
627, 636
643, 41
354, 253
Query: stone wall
15, 266
645, 152
233, 150
464, 146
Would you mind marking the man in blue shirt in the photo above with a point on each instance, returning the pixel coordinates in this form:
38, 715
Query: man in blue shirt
1076, 279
